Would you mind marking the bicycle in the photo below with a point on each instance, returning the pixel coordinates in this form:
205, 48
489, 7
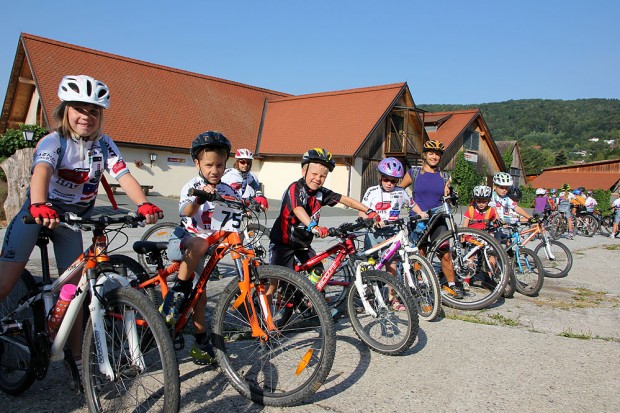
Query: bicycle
554, 256
584, 223
605, 220
382, 328
484, 278
128, 358
414, 270
266, 359
526, 268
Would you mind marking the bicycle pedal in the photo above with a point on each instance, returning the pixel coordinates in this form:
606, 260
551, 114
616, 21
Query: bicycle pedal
179, 342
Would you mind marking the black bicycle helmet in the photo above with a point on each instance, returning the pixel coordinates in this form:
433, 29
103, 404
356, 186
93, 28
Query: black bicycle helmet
319, 155
211, 139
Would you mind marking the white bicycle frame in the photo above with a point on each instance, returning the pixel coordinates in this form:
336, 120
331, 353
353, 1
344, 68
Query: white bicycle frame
104, 282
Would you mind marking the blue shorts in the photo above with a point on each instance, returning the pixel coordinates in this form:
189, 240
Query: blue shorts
20, 240
378, 236
617, 217
176, 249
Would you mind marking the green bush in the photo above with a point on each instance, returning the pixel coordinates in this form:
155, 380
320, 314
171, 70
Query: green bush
465, 178
13, 139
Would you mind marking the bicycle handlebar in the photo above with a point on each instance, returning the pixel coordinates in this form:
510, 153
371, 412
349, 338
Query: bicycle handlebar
348, 227
232, 201
72, 219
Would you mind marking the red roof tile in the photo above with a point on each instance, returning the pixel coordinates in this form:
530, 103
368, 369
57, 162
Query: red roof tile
450, 124
337, 121
152, 104
589, 180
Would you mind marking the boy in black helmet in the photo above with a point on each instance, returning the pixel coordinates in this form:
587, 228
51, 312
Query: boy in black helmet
210, 151
298, 222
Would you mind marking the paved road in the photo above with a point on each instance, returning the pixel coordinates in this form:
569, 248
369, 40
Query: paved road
522, 354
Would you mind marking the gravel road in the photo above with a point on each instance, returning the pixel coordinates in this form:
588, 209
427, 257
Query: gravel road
557, 352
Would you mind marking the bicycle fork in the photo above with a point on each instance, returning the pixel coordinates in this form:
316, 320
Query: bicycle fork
363, 292
97, 309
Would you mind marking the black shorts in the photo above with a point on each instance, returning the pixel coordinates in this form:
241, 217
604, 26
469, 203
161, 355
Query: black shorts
285, 256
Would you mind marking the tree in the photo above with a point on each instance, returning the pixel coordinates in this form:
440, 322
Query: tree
507, 157
13, 139
561, 158
465, 178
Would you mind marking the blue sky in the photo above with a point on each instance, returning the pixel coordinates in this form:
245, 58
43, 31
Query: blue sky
447, 51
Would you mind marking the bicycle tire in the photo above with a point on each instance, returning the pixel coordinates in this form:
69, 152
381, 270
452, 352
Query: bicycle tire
391, 331
511, 285
589, 225
607, 224
530, 274
153, 387
295, 360
160, 232
486, 281
562, 263
16, 370
426, 289
137, 274
557, 226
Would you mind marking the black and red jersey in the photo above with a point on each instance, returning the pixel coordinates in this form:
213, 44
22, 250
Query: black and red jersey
288, 229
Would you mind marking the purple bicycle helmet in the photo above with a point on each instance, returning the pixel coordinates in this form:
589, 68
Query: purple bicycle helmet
391, 167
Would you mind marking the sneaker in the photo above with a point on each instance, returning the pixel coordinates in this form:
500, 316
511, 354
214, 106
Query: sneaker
216, 273
171, 307
203, 354
570, 236
612, 236
455, 291
396, 305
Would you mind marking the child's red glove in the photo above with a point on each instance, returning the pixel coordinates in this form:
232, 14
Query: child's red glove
262, 201
373, 215
150, 209
43, 210
320, 231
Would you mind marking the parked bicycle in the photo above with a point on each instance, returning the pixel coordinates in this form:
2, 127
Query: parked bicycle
555, 257
480, 263
369, 293
267, 359
584, 223
127, 353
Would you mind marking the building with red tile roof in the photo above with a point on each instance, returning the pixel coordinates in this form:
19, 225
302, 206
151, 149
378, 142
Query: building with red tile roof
603, 175
465, 131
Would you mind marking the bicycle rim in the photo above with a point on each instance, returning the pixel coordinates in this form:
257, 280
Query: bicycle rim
16, 371
528, 272
426, 289
160, 232
483, 278
137, 274
146, 378
559, 263
394, 326
292, 363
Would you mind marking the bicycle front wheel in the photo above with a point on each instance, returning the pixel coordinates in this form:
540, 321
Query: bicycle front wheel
16, 370
588, 225
160, 232
607, 224
383, 314
141, 354
483, 267
137, 274
291, 363
257, 238
528, 272
424, 287
555, 257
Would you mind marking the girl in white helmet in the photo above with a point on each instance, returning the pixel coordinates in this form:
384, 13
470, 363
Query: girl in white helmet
242, 180
507, 209
67, 168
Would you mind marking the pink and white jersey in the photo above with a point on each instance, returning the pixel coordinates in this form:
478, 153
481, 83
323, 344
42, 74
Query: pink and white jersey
246, 184
505, 208
199, 224
387, 204
75, 179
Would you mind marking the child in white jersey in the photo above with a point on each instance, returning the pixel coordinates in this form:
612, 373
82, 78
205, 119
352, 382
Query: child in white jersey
67, 168
188, 244
387, 199
507, 208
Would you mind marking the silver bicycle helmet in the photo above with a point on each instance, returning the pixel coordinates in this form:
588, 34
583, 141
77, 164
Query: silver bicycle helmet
82, 88
502, 179
481, 191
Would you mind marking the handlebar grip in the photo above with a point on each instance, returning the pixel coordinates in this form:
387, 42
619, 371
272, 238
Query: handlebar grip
28, 219
333, 232
203, 196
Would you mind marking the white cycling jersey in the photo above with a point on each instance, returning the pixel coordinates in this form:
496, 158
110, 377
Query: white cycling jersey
505, 208
199, 224
75, 180
246, 184
387, 204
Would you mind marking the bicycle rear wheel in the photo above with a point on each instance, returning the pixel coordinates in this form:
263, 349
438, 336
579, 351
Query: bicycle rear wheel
426, 289
607, 224
556, 258
528, 272
486, 272
160, 232
394, 326
141, 354
588, 225
291, 363
16, 370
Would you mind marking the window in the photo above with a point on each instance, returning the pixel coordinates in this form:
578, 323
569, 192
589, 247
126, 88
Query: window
471, 140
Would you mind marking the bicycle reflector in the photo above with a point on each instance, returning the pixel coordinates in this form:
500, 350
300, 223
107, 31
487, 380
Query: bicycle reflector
303, 363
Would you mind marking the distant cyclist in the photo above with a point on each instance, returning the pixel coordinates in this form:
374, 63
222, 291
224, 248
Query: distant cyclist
242, 180
564, 205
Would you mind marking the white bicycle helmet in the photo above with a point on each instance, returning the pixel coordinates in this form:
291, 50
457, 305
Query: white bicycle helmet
502, 179
481, 191
82, 88
244, 154
541, 191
